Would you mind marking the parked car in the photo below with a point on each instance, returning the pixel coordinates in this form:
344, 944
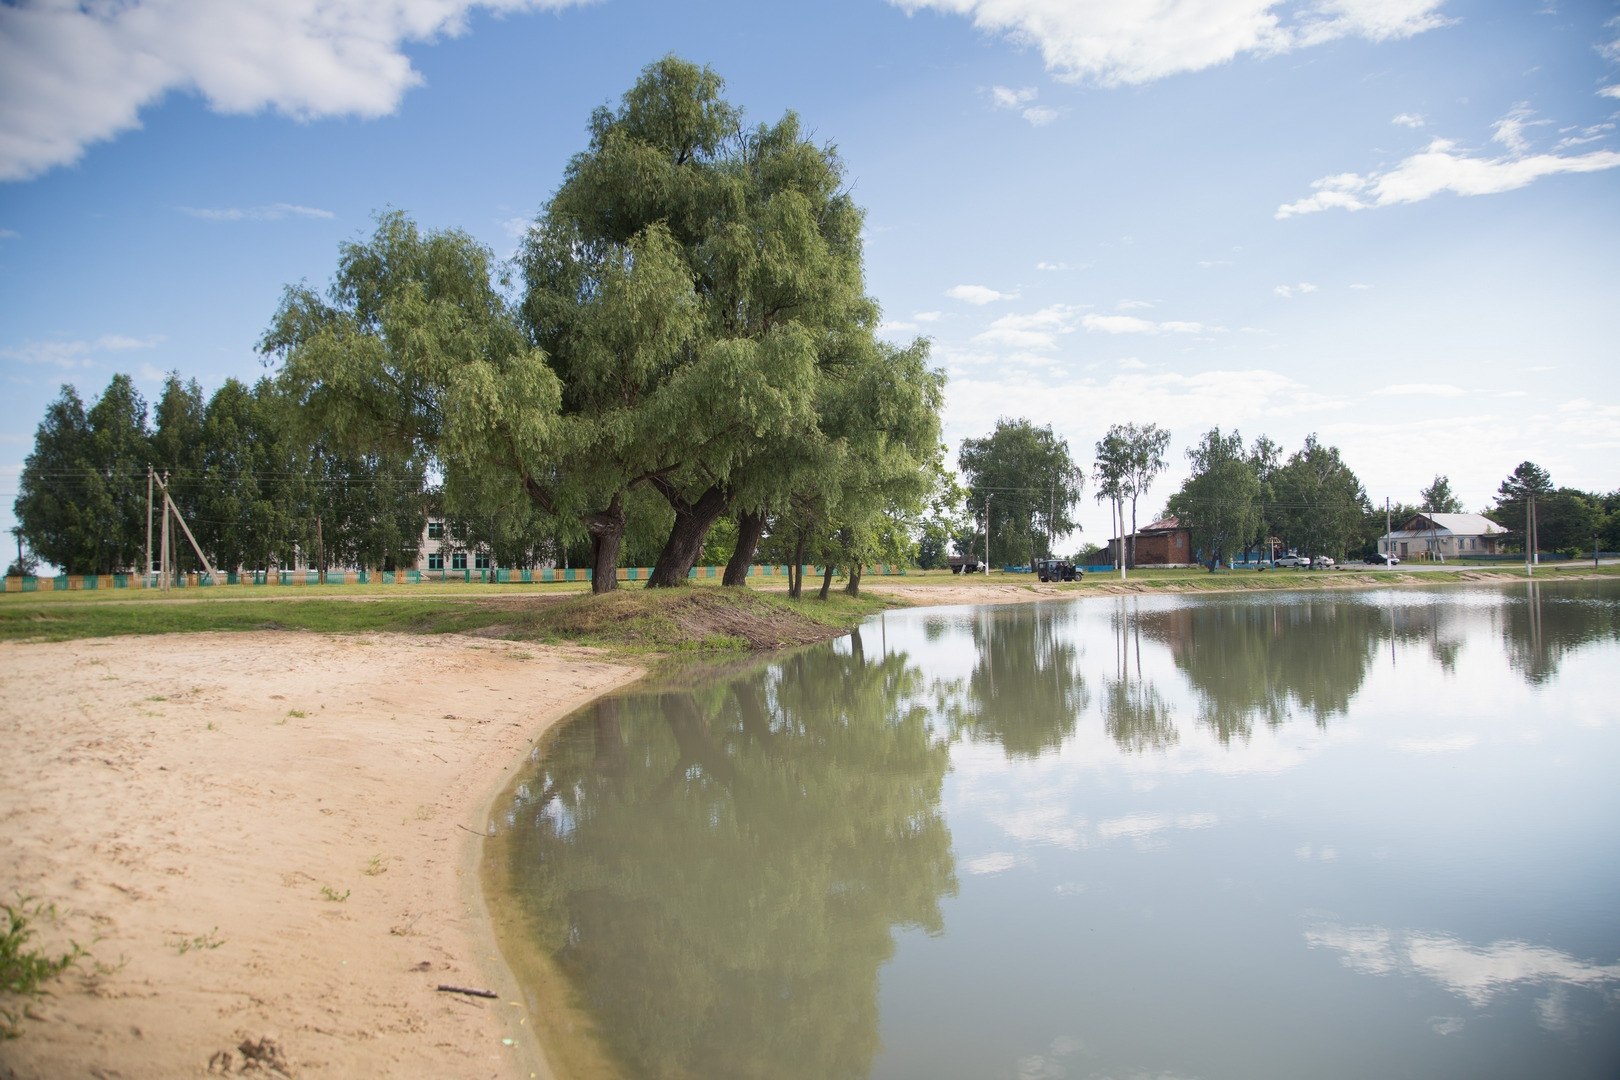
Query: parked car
1322, 562
1292, 560
1378, 558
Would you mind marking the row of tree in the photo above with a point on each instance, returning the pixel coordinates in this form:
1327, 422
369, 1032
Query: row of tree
255, 488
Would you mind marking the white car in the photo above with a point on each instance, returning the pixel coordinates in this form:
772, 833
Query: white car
1322, 562
1291, 560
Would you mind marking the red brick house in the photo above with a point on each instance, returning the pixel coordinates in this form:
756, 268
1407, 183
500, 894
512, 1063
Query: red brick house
1161, 543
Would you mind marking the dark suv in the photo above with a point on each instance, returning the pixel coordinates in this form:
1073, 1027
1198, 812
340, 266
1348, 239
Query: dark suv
1058, 570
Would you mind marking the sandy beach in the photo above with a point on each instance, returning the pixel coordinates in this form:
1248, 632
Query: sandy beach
268, 843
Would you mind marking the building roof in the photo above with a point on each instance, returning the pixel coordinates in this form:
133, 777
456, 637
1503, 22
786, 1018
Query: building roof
1456, 524
1163, 525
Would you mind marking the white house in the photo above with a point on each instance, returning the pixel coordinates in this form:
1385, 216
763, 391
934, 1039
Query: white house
1446, 536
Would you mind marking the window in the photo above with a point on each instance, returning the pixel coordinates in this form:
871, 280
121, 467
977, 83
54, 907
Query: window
436, 561
458, 561
458, 531
481, 561
435, 530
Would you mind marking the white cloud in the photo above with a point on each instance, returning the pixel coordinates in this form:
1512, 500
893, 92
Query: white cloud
9, 234
1441, 167
1288, 292
1611, 91
1131, 324
1115, 44
1360, 286
74, 74
1421, 389
272, 212
70, 355
1133, 305
1411, 120
1509, 130
927, 316
977, 294
1007, 98
1039, 330
1044, 265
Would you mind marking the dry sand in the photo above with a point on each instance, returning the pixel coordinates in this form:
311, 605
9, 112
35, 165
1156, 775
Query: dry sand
270, 836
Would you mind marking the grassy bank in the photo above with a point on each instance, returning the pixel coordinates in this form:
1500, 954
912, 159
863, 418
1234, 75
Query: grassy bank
630, 620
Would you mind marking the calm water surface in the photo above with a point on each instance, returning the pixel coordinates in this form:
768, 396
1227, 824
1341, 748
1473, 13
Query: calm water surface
1372, 835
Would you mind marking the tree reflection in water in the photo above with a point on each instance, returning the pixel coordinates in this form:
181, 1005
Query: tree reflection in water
719, 867
1026, 691
1545, 625
1135, 712
1269, 661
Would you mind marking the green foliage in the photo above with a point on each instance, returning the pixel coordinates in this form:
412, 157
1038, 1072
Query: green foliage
1437, 498
25, 969
82, 495
1321, 506
1220, 502
1031, 482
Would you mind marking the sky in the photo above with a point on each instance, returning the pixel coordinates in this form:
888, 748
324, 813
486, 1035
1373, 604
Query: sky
1391, 223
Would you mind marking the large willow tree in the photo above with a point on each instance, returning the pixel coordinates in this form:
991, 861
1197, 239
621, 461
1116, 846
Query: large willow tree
716, 407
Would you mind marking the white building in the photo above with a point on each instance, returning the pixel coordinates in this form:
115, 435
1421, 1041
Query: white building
1445, 536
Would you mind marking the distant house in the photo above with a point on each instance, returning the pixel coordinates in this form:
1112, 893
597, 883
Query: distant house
1162, 543
1447, 536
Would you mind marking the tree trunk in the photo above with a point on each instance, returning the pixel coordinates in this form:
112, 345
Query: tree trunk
1131, 562
607, 533
826, 580
796, 571
854, 586
750, 527
686, 536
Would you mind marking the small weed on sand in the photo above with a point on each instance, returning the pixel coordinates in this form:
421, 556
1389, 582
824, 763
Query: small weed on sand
210, 940
25, 970
333, 895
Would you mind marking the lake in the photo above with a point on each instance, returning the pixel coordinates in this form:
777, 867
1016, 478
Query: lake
1373, 834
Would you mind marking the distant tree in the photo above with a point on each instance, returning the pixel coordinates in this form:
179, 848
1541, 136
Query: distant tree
251, 505
1220, 502
1568, 521
82, 494
947, 519
1438, 499
1265, 457
1322, 504
1146, 445
1111, 471
1513, 498
1033, 482
177, 448
27, 564
49, 507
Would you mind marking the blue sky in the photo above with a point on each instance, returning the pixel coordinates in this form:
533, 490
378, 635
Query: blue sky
1395, 223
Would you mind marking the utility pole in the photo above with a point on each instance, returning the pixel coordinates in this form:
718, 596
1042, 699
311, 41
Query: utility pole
1388, 528
987, 497
1530, 535
164, 550
146, 582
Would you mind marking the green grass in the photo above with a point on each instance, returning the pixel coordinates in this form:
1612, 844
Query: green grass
632, 619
